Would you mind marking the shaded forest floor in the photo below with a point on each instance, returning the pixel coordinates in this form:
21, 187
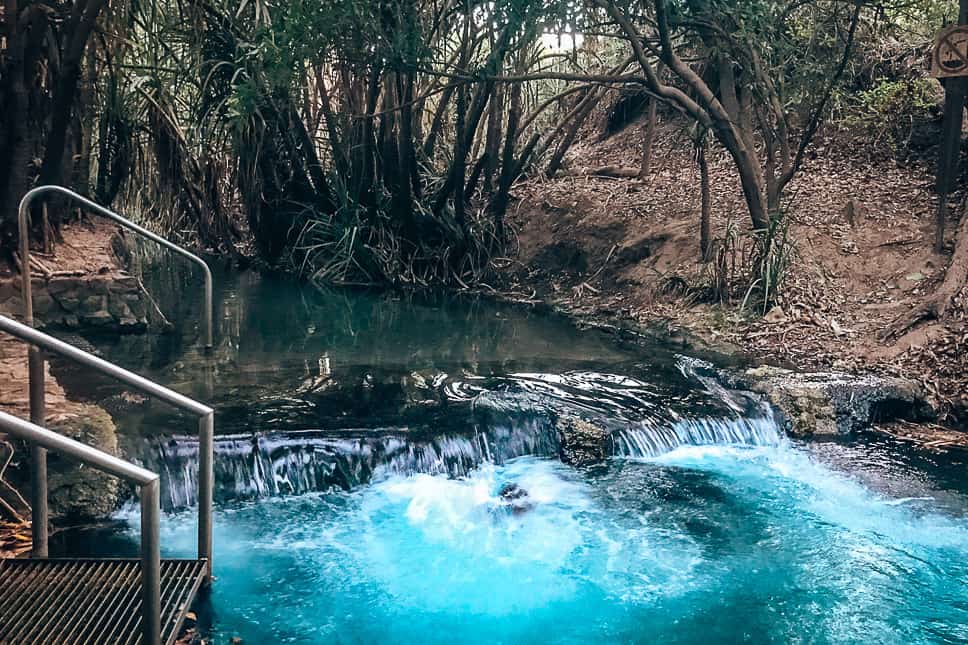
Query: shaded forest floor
626, 251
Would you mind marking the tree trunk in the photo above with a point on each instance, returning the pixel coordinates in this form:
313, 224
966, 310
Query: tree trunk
332, 131
649, 138
706, 202
938, 305
588, 104
458, 169
86, 121
499, 203
15, 158
78, 31
493, 143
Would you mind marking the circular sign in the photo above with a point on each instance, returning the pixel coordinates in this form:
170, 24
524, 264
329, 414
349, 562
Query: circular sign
950, 56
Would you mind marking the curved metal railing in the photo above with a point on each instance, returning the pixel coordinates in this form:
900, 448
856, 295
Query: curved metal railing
41, 439
206, 428
23, 222
148, 488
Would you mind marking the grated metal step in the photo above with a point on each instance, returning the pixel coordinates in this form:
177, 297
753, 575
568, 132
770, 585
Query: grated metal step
89, 601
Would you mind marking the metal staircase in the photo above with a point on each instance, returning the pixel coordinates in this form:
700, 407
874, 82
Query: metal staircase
143, 600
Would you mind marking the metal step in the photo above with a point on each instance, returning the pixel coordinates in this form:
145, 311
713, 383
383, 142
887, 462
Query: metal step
90, 601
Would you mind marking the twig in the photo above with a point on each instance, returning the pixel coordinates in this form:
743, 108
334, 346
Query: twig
607, 258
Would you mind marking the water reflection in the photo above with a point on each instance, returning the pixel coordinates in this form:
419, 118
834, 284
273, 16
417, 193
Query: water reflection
289, 356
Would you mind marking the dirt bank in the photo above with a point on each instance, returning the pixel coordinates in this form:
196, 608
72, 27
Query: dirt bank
85, 259
626, 250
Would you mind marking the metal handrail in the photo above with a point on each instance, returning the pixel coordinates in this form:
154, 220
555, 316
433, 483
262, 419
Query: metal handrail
206, 430
148, 485
24, 215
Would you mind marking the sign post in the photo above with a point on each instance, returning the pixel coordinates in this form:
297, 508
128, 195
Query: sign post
949, 63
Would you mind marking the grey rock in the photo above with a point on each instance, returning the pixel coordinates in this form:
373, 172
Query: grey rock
68, 301
78, 492
9, 288
581, 443
829, 403
43, 303
100, 318
94, 303
125, 284
118, 308
57, 286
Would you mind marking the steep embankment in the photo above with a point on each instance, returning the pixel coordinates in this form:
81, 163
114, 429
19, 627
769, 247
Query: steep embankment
627, 250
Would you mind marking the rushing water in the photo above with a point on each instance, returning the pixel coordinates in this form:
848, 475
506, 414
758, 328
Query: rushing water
365, 442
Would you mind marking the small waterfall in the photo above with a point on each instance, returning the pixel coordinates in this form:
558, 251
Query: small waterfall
248, 467
513, 417
651, 440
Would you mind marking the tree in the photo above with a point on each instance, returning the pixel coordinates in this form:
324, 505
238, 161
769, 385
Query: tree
45, 48
742, 104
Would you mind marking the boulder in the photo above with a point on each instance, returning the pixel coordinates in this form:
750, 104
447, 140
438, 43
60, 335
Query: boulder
77, 492
581, 443
828, 403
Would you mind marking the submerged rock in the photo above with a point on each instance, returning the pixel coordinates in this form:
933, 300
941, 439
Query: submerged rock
515, 499
834, 402
581, 443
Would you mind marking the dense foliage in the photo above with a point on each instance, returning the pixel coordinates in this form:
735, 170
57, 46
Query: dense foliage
375, 141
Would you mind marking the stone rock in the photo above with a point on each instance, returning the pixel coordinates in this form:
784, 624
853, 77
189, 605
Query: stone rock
13, 305
43, 303
581, 443
125, 284
57, 286
114, 301
827, 403
775, 316
94, 303
118, 308
99, 318
68, 301
78, 492
101, 285
9, 288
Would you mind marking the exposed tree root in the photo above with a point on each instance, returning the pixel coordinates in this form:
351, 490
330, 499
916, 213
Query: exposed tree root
938, 306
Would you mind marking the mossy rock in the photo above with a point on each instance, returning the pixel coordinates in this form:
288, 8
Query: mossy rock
78, 492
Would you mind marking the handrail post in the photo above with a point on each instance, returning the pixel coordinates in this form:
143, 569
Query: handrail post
151, 563
38, 455
209, 309
41, 342
206, 485
23, 218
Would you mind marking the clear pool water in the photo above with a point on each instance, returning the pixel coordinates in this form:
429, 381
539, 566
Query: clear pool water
366, 439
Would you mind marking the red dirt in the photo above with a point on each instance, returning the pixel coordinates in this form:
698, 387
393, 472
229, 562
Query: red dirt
628, 249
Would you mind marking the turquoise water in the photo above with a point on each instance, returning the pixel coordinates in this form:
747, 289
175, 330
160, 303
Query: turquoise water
365, 439
703, 544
